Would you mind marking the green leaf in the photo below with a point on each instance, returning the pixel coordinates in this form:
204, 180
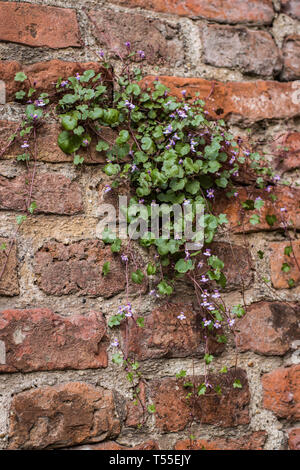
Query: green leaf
20, 95
208, 358
201, 389
116, 246
224, 370
137, 276
117, 358
20, 219
181, 374
140, 322
237, 384
288, 250
115, 320
285, 267
192, 187
151, 269
112, 169
260, 254
123, 137
3, 246
102, 146
68, 142
254, 219
164, 288
238, 310
271, 219
291, 282
151, 408
106, 268
78, 160
69, 121
20, 77
32, 207
183, 266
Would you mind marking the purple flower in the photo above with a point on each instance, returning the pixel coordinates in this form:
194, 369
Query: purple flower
186, 202
129, 105
206, 322
183, 92
133, 168
216, 295
115, 343
141, 54
204, 279
217, 325
101, 54
64, 83
207, 252
210, 193
127, 44
200, 265
276, 178
124, 258
85, 142
39, 103
181, 113
107, 188
231, 322
77, 76
269, 189
187, 255
25, 145
181, 316
168, 130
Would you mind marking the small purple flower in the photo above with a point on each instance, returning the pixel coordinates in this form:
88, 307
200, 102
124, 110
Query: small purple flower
107, 188
200, 265
129, 105
39, 103
77, 76
283, 209
207, 252
64, 83
85, 142
25, 145
276, 178
127, 44
269, 189
216, 295
236, 194
180, 162
204, 279
247, 153
115, 343
210, 193
133, 168
168, 130
141, 201
217, 325
187, 255
183, 92
100, 54
124, 258
231, 322
186, 202
141, 54
181, 316
181, 113
206, 322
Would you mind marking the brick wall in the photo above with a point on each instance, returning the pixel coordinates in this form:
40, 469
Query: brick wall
55, 355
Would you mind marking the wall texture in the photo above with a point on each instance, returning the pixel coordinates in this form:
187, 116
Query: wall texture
58, 386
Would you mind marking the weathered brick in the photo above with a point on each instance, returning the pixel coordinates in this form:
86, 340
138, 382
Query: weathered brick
254, 441
281, 392
279, 277
43, 75
291, 58
9, 283
245, 102
253, 52
38, 339
228, 11
239, 218
53, 193
38, 25
166, 336
291, 7
286, 148
111, 445
294, 439
157, 38
269, 328
63, 415
47, 147
77, 268
174, 412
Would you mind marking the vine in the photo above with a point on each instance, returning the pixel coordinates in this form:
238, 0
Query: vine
166, 151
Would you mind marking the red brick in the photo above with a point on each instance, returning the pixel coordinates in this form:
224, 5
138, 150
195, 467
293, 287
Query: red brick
281, 392
291, 7
294, 439
38, 339
286, 148
239, 101
157, 38
269, 328
111, 445
174, 413
38, 25
53, 194
166, 336
63, 415
43, 75
254, 441
9, 283
223, 11
239, 218
47, 147
253, 52
291, 58
277, 258
77, 268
